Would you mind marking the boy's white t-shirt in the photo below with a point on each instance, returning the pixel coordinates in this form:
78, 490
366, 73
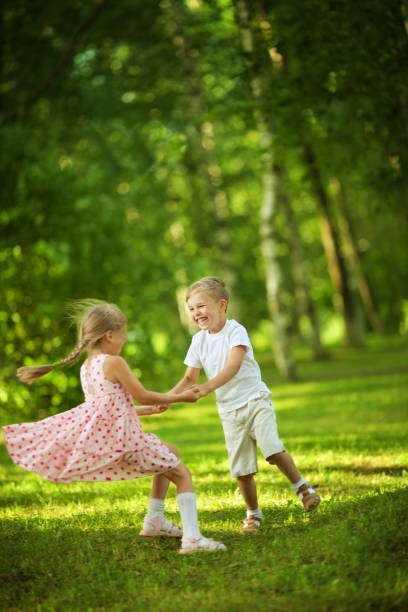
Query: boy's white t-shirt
210, 351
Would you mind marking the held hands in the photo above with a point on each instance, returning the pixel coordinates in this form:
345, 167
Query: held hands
191, 395
146, 410
201, 390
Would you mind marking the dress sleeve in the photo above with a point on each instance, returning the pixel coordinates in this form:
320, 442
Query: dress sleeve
239, 337
193, 358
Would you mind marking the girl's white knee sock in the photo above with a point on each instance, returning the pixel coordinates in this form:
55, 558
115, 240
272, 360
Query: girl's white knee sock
188, 512
155, 512
155, 509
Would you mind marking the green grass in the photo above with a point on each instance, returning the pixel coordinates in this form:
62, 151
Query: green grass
76, 547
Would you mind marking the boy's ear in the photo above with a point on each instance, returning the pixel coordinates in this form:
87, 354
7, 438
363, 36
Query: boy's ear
224, 304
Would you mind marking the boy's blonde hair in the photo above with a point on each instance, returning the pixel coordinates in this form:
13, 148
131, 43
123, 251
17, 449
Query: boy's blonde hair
94, 319
211, 284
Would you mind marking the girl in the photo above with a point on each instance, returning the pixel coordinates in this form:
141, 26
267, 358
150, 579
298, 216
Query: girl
102, 439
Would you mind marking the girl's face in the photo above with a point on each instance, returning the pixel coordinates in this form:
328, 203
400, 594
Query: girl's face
207, 312
117, 339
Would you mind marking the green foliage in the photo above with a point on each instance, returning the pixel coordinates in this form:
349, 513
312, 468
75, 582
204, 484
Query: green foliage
131, 165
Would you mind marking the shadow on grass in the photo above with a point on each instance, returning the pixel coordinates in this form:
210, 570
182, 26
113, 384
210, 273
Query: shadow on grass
43, 499
333, 370
88, 559
211, 477
346, 443
355, 373
226, 520
216, 483
367, 470
355, 383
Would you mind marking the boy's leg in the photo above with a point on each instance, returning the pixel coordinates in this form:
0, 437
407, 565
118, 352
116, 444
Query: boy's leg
286, 465
247, 486
242, 455
265, 432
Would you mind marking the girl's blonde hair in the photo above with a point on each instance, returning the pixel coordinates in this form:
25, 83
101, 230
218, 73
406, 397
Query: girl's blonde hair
94, 319
211, 284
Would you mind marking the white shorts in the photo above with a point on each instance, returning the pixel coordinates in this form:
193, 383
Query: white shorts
243, 428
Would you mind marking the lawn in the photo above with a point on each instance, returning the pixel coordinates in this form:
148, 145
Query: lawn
76, 547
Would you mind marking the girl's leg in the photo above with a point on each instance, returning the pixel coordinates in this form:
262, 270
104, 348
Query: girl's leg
154, 522
160, 482
160, 487
181, 477
192, 539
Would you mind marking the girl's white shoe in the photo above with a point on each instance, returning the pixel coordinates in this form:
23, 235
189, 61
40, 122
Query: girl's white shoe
200, 544
153, 528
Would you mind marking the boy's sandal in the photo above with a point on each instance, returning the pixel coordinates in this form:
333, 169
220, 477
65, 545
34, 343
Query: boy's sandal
200, 544
171, 530
309, 497
251, 524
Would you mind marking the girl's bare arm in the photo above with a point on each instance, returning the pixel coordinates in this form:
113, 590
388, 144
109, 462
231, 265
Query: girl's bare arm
117, 371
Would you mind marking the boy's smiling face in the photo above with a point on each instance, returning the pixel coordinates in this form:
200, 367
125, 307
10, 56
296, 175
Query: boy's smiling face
207, 312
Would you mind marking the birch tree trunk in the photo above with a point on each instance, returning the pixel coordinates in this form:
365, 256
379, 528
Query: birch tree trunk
299, 267
282, 348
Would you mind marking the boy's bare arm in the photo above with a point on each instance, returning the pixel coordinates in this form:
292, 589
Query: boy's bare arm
189, 379
234, 362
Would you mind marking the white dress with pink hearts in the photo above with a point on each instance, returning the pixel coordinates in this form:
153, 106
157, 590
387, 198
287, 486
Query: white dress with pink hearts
99, 440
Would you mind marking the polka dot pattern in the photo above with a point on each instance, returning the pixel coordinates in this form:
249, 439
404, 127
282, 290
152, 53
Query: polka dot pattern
99, 440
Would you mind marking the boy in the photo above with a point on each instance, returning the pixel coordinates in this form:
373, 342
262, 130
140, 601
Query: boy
224, 350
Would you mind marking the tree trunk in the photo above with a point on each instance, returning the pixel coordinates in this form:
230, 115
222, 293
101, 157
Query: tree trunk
299, 267
355, 260
283, 356
345, 299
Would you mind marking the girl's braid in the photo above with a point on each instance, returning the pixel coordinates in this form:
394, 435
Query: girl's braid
29, 374
73, 356
94, 319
